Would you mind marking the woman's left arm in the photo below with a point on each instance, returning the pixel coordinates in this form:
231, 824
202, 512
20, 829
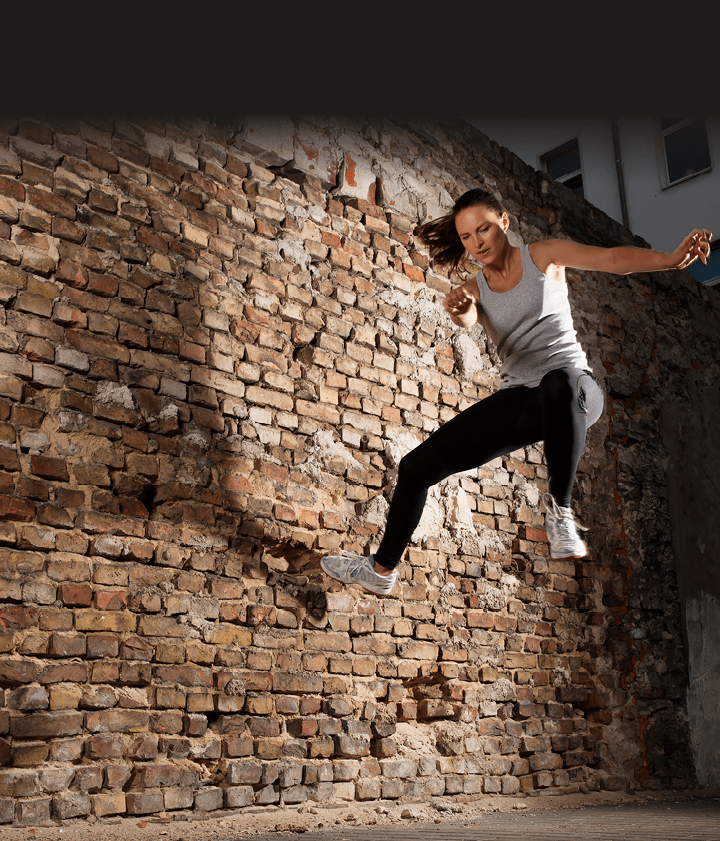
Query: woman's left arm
621, 259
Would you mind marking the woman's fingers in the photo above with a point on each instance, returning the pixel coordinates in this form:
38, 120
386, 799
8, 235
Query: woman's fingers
703, 242
696, 245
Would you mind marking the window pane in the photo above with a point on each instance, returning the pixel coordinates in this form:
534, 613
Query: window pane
704, 273
687, 151
562, 163
575, 183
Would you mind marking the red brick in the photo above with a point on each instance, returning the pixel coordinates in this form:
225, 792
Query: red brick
102, 158
107, 746
307, 519
12, 188
98, 346
16, 509
50, 202
108, 524
111, 599
103, 285
234, 482
65, 229
72, 274
192, 352
239, 746
414, 273
76, 595
49, 468
208, 418
27, 416
18, 616
38, 350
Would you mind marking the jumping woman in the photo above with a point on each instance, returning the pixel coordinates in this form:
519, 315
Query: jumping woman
547, 393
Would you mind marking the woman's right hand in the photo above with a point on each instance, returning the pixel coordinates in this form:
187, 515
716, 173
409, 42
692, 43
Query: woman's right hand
461, 305
695, 246
459, 301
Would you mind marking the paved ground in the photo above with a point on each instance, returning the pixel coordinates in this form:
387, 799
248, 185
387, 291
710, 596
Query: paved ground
681, 818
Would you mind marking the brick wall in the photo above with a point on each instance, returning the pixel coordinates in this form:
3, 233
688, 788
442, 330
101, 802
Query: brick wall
217, 341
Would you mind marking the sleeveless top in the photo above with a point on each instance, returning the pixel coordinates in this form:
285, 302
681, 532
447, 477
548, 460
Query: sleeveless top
531, 326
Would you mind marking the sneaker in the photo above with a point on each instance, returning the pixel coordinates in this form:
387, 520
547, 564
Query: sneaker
562, 529
351, 568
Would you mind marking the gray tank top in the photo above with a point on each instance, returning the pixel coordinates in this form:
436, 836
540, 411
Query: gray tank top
531, 326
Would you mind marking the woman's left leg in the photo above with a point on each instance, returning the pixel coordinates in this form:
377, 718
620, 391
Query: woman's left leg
571, 400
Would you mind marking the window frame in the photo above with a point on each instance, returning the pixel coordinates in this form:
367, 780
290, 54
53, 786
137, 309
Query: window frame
665, 132
555, 152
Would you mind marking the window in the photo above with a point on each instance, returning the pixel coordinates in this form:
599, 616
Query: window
685, 143
708, 275
563, 164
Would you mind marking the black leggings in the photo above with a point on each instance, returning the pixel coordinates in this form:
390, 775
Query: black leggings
559, 412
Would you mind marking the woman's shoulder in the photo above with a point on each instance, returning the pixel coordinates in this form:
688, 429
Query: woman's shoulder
543, 255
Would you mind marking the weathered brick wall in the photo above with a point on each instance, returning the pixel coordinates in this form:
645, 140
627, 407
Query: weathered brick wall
217, 341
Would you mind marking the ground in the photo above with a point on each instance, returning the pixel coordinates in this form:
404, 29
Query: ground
211, 827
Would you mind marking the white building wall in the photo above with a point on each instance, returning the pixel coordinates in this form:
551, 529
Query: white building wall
659, 214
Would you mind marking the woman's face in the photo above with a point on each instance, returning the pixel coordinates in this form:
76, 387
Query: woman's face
482, 232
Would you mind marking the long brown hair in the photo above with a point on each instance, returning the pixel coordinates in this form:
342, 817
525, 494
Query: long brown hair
442, 238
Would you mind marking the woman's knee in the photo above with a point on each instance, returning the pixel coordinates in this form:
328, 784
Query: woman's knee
410, 468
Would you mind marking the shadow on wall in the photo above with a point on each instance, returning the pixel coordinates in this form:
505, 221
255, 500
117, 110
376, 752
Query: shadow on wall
689, 435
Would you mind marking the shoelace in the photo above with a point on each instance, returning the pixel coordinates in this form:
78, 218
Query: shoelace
354, 562
560, 515
566, 529
567, 535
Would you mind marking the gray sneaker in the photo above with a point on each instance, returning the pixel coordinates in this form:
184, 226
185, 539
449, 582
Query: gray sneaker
351, 568
562, 532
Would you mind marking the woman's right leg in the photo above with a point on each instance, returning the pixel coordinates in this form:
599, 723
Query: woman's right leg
503, 422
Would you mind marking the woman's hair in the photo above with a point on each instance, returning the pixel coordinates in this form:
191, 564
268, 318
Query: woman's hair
440, 235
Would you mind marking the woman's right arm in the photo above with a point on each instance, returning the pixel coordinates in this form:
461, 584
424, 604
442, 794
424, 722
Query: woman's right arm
621, 260
462, 304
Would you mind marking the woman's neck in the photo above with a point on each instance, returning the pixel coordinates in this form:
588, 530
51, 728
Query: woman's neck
506, 272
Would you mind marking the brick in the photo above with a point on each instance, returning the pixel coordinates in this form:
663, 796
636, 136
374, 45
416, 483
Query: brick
178, 798
72, 672
97, 620
47, 725
106, 523
117, 721
144, 803
112, 803
105, 747
33, 812
56, 779
49, 468
71, 805
68, 645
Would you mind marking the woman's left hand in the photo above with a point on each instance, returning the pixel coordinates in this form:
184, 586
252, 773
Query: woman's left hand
696, 245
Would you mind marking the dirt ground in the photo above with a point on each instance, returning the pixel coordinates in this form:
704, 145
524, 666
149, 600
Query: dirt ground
307, 817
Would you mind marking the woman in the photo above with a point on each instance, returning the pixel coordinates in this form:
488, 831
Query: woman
547, 391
